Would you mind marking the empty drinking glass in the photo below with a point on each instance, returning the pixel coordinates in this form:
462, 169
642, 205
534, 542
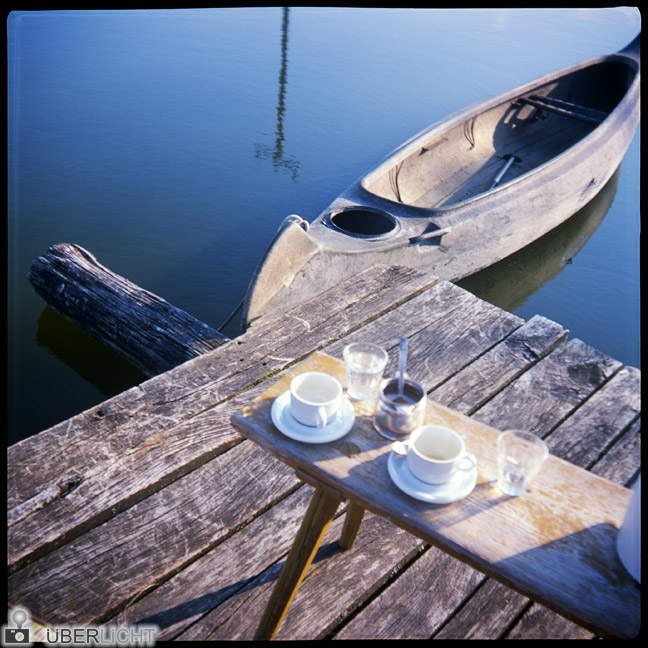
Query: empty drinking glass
520, 456
364, 363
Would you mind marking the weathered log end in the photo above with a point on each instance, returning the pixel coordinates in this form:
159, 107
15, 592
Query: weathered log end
152, 333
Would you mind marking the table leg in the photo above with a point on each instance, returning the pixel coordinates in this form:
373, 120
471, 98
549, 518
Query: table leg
352, 522
314, 525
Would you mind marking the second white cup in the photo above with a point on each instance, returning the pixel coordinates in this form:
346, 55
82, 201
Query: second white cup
315, 398
435, 453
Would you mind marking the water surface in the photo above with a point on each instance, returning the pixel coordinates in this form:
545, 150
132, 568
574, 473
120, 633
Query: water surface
172, 143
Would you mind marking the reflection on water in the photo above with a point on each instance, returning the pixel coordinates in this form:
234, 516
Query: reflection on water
118, 124
105, 369
277, 153
509, 283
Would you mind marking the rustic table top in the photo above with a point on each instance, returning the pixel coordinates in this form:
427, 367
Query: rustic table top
555, 543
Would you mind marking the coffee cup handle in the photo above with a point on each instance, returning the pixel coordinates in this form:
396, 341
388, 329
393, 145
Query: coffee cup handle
322, 418
472, 462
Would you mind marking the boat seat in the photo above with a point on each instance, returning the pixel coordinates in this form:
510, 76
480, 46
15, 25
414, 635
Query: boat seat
584, 113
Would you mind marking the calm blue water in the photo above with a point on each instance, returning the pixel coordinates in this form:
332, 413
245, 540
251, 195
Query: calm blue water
172, 143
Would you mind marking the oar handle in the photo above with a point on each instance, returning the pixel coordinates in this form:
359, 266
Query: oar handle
509, 160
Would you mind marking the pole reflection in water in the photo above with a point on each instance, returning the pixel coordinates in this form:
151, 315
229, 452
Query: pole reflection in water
279, 160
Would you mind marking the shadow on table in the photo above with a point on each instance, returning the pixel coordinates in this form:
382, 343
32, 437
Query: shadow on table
583, 579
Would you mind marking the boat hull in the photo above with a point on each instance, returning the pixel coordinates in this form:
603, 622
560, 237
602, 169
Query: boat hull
378, 220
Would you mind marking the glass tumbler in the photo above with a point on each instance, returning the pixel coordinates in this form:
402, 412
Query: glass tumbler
364, 363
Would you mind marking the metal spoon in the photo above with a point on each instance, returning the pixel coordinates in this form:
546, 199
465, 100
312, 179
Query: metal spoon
402, 362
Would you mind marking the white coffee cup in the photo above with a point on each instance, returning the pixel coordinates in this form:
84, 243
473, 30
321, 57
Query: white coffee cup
435, 453
315, 398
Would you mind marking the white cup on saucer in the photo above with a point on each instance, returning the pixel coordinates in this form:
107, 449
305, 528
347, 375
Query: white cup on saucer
435, 453
315, 398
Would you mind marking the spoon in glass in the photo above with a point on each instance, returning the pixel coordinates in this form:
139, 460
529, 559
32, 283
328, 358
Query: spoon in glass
402, 348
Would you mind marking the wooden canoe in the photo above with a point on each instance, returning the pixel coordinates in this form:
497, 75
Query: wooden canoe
469, 190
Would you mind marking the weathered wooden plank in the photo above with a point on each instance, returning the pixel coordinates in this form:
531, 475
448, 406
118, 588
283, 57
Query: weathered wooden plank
447, 327
192, 394
568, 375
597, 423
337, 580
424, 595
487, 614
585, 434
186, 597
152, 333
622, 462
196, 435
447, 345
531, 341
165, 400
320, 514
540, 623
315, 606
376, 290
345, 579
464, 391
492, 608
364, 478
94, 576
499, 366
112, 480
131, 435
198, 432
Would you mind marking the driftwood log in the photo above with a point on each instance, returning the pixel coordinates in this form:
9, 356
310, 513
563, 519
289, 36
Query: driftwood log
145, 328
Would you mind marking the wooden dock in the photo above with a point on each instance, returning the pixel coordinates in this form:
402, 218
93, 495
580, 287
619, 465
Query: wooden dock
150, 508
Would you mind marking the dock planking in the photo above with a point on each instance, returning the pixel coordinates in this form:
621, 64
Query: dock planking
151, 508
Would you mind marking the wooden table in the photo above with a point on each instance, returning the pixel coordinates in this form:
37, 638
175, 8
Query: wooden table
555, 543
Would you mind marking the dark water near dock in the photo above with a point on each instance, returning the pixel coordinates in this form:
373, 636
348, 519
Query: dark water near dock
172, 143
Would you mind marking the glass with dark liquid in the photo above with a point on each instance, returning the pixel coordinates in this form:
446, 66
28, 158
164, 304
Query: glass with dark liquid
397, 415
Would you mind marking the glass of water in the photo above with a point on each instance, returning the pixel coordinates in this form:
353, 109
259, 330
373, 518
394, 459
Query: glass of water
520, 456
364, 363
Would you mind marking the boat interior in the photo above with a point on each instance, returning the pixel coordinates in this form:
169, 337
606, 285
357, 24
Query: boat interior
496, 146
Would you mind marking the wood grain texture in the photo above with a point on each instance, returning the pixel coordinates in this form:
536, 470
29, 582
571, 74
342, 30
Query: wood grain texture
93, 577
490, 611
102, 461
475, 384
319, 516
337, 580
152, 333
217, 575
426, 592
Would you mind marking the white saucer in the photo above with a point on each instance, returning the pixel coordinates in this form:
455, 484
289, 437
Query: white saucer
288, 425
460, 485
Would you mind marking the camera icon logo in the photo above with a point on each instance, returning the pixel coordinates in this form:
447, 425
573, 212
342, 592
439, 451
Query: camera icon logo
17, 636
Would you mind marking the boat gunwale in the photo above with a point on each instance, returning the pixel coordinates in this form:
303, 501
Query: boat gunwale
413, 144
